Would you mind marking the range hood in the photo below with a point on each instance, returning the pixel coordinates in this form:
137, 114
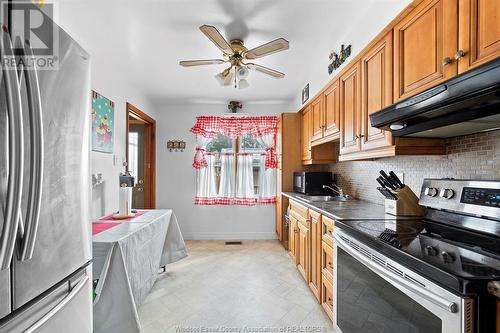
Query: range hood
466, 104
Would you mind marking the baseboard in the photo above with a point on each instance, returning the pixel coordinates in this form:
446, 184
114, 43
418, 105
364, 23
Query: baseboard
229, 235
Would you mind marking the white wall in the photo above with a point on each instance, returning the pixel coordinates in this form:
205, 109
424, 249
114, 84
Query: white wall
116, 85
358, 33
176, 179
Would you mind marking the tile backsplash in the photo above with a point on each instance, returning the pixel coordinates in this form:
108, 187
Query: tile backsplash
475, 156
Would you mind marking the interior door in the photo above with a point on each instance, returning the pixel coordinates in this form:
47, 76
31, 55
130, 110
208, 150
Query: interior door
137, 161
63, 242
332, 109
317, 118
425, 42
376, 87
350, 110
479, 33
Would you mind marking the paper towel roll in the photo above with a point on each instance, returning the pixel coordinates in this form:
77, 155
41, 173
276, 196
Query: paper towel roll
125, 204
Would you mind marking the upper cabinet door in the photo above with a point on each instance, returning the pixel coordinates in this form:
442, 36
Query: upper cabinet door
332, 109
306, 134
350, 109
317, 118
376, 89
479, 38
425, 43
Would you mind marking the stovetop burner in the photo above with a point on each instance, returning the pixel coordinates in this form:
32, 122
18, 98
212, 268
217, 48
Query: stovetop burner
427, 241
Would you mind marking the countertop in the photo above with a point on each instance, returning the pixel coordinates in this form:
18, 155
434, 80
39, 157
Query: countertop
344, 210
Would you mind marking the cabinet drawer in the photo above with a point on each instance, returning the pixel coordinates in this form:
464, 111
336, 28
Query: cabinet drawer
299, 209
327, 297
327, 230
327, 261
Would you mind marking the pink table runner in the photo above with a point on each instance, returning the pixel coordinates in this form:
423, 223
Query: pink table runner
100, 227
111, 218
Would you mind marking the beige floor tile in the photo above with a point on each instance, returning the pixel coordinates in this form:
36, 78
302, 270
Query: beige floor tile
254, 285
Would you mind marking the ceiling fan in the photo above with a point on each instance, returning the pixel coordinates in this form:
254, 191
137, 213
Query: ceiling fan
237, 55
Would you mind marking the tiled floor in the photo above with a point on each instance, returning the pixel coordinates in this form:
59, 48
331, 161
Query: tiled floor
254, 285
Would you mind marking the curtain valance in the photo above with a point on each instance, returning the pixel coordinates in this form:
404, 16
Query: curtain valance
233, 127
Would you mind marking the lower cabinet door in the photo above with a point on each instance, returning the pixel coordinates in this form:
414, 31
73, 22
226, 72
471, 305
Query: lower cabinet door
303, 255
327, 261
293, 239
316, 233
327, 297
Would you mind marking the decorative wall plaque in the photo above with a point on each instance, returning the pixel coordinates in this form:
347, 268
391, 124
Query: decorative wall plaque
176, 145
305, 94
336, 60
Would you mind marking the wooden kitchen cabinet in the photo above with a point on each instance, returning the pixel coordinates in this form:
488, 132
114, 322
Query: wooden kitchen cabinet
327, 230
289, 157
332, 111
293, 239
317, 118
306, 134
303, 264
327, 297
316, 235
425, 42
479, 33
376, 91
350, 107
322, 154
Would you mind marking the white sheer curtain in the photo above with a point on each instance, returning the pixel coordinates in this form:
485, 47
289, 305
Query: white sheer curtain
227, 178
206, 191
267, 193
244, 180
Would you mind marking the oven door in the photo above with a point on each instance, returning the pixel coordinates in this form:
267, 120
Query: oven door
376, 294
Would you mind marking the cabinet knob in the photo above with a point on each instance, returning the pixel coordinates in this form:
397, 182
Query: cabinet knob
447, 61
459, 54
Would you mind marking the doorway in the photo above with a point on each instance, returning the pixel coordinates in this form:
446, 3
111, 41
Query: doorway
141, 156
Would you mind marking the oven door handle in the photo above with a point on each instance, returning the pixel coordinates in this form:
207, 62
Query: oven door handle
396, 279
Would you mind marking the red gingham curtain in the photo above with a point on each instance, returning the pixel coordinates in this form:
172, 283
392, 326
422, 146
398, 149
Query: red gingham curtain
233, 127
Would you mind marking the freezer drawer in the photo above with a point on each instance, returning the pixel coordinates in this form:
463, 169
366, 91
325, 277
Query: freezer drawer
66, 308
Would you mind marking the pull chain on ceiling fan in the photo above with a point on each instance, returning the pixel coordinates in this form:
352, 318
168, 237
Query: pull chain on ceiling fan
237, 55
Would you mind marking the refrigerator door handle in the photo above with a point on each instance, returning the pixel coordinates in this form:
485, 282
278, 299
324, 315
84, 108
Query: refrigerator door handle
16, 151
59, 306
36, 153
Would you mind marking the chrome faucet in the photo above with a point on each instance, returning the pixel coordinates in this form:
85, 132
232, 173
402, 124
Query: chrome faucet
338, 190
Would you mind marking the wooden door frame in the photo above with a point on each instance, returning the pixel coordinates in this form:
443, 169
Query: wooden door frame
149, 151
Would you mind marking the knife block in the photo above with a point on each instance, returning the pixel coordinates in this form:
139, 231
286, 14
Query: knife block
405, 205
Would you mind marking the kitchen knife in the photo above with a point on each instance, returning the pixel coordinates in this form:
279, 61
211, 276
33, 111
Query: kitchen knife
381, 182
386, 193
388, 180
396, 179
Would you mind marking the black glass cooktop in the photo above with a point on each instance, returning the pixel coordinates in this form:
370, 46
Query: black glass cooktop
437, 250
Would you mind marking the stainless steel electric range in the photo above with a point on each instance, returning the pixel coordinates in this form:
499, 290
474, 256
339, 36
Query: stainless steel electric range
437, 274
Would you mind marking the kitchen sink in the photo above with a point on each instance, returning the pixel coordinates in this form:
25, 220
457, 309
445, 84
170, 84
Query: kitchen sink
322, 198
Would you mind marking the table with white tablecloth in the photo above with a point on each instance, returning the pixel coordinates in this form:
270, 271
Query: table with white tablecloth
127, 260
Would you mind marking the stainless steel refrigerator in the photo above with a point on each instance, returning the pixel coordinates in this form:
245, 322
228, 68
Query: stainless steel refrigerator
45, 229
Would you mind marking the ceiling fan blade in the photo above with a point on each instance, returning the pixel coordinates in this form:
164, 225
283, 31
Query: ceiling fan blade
266, 70
214, 35
190, 63
274, 46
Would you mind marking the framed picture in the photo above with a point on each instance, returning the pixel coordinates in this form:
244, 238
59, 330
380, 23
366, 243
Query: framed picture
103, 114
305, 94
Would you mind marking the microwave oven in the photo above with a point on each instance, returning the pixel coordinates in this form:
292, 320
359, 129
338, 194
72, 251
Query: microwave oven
311, 183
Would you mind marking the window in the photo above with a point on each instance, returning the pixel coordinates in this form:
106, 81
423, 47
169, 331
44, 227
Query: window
235, 161
133, 153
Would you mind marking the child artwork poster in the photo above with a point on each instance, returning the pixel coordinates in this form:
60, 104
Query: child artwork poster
103, 112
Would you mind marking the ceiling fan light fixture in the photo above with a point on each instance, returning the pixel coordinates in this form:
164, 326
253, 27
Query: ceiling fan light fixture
242, 72
220, 78
228, 78
242, 84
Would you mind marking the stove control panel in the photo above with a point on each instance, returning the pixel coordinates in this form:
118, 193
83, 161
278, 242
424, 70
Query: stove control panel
475, 197
481, 196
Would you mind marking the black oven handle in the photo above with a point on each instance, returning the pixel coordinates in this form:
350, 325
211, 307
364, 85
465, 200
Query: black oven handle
396, 279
